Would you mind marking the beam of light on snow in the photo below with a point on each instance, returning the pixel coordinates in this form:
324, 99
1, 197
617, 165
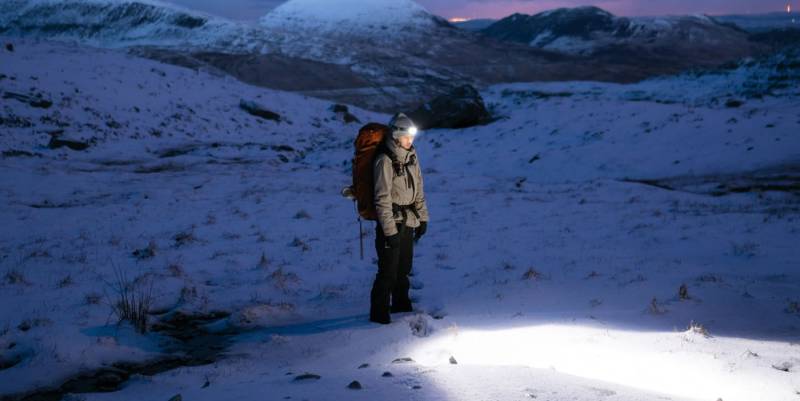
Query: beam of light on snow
681, 364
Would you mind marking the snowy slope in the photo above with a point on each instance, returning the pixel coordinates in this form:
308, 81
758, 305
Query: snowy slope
546, 272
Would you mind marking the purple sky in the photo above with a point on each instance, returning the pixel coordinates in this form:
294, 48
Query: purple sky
252, 9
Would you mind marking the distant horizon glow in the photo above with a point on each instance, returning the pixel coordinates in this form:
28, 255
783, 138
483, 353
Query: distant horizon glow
465, 10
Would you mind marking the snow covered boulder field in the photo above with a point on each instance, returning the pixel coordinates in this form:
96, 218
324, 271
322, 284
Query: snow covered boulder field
593, 242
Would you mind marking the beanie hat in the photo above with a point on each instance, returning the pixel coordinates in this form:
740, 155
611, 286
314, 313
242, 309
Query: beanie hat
401, 125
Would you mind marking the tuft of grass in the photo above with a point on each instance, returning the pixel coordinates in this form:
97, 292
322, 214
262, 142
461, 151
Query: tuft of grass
698, 328
793, 307
302, 214
263, 263
184, 238
655, 308
132, 299
298, 243
531, 274
66, 281
282, 280
175, 269
14, 276
188, 294
146, 253
745, 249
683, 292
92, 298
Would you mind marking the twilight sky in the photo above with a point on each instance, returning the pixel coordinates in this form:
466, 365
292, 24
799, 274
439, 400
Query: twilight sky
252, 9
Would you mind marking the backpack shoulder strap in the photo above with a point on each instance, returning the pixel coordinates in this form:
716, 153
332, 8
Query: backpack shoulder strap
384, 150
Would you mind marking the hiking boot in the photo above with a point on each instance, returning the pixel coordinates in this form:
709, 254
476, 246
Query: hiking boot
402, 308
380, 319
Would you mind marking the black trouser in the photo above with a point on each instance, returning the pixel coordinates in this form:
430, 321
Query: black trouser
391, 282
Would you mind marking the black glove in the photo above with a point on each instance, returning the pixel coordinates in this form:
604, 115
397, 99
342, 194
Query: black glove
393, 241
420, 231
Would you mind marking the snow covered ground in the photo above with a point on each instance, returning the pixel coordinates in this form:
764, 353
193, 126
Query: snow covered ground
552, 269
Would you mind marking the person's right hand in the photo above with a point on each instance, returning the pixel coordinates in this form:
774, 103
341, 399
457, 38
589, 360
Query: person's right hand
393, 241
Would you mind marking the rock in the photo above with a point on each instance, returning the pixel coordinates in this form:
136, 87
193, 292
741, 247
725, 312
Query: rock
306, 376
783, 367
33, 100
461, 108
57, 141
733, 103
387, 374
258, 110
354, 385
176, 397
10, 47
453, 360
347, 117
363, 365
403, 360
20, 153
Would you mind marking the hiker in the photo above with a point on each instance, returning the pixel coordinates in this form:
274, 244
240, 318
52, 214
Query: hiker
402, 218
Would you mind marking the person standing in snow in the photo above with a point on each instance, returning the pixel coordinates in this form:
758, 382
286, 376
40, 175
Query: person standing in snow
402, 218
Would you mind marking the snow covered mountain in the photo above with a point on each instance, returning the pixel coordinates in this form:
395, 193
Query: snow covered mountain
125, 23
381, 20
587, 30
380, 54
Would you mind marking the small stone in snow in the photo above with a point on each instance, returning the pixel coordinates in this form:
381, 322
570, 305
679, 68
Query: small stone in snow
363, 365
307, 376
387, 374
402, 360
453, 361
354, 385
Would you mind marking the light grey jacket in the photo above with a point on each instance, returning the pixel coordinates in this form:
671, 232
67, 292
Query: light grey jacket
402, 190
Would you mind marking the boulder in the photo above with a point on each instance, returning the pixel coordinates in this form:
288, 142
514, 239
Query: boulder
460, 108
344, 112
57, 141
258, 110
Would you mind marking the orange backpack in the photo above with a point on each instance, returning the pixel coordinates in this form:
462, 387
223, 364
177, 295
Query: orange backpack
367, 142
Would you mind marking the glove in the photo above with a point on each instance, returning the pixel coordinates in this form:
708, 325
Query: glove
420, 231
393, 241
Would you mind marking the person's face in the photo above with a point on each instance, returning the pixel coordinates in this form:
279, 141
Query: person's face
406, 141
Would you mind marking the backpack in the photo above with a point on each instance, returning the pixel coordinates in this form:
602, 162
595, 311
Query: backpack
368, 143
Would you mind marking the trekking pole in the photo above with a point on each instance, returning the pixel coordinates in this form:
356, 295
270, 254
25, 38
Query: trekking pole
360, 230
361, 237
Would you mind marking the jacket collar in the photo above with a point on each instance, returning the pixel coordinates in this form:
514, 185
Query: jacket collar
402, 155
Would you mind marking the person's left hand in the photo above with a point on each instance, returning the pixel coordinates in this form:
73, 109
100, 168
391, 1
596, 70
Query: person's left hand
420, 231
